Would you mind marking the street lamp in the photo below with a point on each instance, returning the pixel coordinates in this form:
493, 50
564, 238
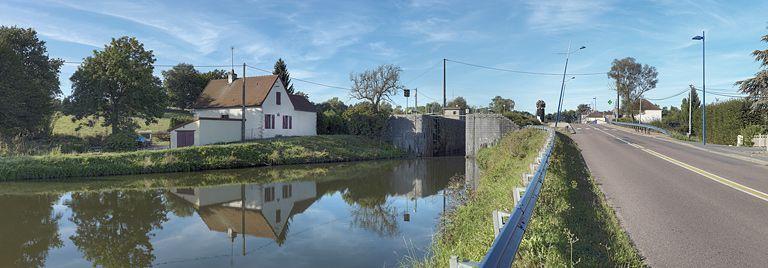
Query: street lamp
562, 85
703, 88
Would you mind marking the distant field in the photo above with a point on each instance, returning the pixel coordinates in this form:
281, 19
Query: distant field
65, 126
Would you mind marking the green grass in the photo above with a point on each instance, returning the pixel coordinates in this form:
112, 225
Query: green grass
571, 216
267, 152
64, 126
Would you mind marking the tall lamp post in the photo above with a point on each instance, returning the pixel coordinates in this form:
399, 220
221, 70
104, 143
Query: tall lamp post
562, 85
703, 88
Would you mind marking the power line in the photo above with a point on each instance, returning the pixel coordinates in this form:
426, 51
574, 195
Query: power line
678, 94
519, 72
303, 80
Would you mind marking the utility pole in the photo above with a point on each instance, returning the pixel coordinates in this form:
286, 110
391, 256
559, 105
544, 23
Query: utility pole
562, 85
242, 116
445, 102
416, 99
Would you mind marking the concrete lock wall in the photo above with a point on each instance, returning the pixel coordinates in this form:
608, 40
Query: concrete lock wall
426, 135
483, 130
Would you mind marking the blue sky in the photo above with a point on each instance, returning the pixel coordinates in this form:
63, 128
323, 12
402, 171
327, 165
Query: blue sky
324, 41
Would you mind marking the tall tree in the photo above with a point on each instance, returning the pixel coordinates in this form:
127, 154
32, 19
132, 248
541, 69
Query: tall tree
540, 106
29, 83
184, 84
695, 114
583, 108
433, 107
281, 70
459, 102
500, 105
632, 80
757, 87
117, 84
376, 85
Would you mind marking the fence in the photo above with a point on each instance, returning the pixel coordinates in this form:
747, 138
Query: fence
510, 234
641, 127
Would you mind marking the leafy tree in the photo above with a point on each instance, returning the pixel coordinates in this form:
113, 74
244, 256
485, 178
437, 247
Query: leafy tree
540, 106
114, 228
329, 117
458, 102
376, 85
583, 108
362, 119
632, 80
281, 70
29, 83
433, 107
757, 87
184, 84
117, 84
30, 229
522, 118
500, 105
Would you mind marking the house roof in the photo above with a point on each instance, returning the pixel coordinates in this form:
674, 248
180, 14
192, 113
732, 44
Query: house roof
647, 105
301, 103
221, 218
221, 94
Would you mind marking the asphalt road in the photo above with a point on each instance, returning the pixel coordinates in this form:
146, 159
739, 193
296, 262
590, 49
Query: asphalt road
682, 207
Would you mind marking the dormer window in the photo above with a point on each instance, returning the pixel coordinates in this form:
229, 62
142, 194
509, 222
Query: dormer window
277, 98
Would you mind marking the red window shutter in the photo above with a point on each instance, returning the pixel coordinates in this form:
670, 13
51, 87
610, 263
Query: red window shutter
277, 98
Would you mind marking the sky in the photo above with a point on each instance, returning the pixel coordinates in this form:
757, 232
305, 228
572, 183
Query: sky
326, 41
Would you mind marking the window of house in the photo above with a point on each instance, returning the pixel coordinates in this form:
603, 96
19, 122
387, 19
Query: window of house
269, 194
278, 216
287, 191
269, 121
225, 116
277, 98
287, 122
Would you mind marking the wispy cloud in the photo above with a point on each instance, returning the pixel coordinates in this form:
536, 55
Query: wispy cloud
557, 15
432, 30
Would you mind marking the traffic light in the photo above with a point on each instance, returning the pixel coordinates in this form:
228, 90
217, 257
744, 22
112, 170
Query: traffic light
406, 93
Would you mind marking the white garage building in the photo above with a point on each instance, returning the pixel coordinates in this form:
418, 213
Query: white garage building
269, 112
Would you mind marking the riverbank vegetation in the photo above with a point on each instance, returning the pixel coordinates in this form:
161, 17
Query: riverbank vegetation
267, 152
572, 223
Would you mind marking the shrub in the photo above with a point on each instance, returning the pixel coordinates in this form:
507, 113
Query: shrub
121, 141
749, 132
162, 136
522, 118
363, 120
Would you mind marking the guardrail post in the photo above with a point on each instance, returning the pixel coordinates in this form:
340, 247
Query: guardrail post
518, 194
498, 221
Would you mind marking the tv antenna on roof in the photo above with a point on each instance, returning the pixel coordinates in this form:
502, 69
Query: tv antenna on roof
232, 57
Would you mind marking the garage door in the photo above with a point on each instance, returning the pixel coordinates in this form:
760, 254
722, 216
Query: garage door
185, 138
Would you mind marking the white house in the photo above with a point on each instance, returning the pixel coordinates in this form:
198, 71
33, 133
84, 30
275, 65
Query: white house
594, 117
269, 112
647, 112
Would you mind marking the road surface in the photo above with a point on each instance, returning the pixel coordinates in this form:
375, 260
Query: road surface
682, 207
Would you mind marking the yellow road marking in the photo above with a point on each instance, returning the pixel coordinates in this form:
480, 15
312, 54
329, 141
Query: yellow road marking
706, 174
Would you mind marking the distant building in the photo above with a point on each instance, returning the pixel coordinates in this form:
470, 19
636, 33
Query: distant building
594, 117
269, 111
647, 112
454, 112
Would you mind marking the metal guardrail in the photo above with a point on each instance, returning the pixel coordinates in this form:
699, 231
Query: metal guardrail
644, 127
510, 234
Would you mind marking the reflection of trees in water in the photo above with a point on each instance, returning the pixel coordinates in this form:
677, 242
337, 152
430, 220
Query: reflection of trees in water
28, 229
113, 228
380, 219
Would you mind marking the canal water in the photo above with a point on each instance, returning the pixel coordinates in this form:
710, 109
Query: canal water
364, 214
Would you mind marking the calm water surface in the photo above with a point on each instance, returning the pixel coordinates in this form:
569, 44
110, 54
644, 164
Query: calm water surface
367, 214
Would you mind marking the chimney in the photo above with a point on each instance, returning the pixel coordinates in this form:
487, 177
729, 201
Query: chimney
231, 76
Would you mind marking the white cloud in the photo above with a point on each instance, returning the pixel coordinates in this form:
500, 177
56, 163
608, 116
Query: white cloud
382, 49
557, 15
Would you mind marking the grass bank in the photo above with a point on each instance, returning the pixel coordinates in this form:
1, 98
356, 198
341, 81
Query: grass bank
267, 152
572, 223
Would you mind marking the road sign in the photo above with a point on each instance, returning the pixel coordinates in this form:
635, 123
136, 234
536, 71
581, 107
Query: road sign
406, 93
610, 102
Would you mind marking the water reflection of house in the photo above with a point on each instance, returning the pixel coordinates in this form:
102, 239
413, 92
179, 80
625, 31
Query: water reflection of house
256, 210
